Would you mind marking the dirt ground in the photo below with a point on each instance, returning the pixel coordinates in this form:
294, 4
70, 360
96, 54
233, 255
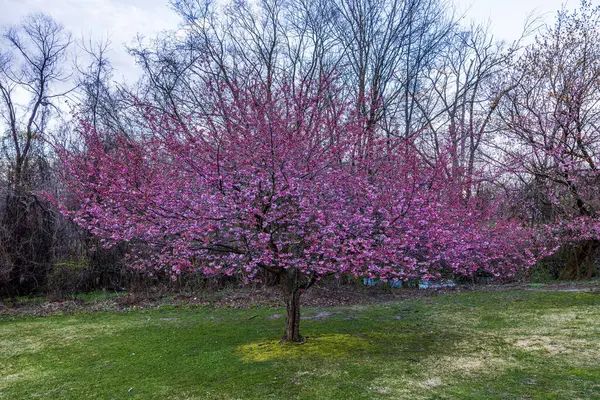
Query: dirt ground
246, 297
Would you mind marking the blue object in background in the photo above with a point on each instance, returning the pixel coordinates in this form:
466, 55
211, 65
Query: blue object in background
371, 281
427, 285
376, 282
396, 284
449, 283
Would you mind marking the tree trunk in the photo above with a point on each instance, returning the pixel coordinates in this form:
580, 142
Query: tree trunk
590, 262
292, 319
291, 291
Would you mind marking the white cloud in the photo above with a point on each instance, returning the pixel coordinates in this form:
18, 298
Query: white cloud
507, 17
120, 20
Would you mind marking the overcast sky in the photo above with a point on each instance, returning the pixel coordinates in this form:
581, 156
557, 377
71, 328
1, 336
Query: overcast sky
123, 19
507, 17
120, 20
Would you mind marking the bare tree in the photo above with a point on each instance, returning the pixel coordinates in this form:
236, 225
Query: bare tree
465, 88
99, 100
390, 45
32, 77
32, 68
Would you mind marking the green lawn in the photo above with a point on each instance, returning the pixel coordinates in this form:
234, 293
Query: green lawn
483, 345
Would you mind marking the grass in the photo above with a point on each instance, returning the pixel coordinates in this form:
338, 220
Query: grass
483, 345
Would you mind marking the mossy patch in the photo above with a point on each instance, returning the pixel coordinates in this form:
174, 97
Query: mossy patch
327, 346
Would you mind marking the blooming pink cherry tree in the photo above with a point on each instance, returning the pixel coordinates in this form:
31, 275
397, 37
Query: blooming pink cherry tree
285, 179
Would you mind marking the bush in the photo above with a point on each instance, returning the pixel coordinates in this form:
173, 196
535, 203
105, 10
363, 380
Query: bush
68, 277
